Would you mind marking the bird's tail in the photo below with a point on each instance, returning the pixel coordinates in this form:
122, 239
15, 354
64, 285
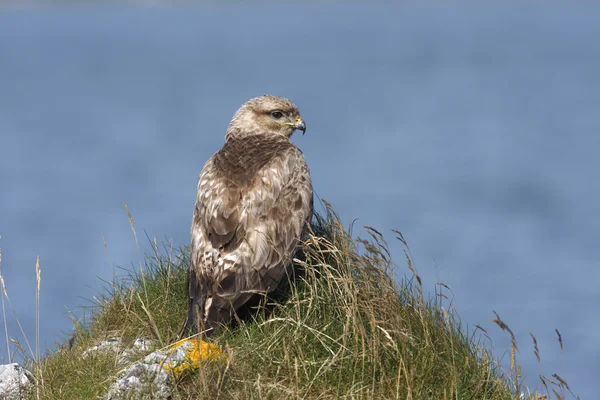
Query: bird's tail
197, 292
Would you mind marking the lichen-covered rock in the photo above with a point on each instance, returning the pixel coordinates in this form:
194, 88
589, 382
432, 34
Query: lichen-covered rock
15, 381
150, 378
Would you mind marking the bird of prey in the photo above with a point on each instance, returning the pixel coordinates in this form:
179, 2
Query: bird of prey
253, 205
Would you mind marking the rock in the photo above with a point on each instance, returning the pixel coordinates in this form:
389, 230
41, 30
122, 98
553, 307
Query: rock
15, 381
150, 378
111, 344
140, 346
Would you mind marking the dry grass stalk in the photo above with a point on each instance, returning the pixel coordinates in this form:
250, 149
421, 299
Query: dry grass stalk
536, 350
498, 321
560, 341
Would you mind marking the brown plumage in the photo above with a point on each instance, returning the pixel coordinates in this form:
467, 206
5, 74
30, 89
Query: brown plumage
253, 204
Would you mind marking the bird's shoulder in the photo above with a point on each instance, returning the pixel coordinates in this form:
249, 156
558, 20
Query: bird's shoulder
241, 159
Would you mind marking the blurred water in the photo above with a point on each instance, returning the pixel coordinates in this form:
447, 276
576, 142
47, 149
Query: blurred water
471, 128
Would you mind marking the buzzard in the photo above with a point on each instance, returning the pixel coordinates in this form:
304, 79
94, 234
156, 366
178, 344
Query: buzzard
253, 205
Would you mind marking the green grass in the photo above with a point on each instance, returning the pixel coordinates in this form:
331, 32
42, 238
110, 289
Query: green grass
346, 330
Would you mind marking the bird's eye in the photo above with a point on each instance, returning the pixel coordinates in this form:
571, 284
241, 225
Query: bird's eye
276, 114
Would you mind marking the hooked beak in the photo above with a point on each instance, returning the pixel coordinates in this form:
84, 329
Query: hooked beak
300, 125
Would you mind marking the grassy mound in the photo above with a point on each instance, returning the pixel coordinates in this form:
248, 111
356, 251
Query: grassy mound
346, 330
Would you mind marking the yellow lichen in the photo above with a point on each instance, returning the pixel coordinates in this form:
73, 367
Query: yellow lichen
194, 355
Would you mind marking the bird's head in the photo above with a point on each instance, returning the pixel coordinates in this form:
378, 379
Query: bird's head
266, 115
